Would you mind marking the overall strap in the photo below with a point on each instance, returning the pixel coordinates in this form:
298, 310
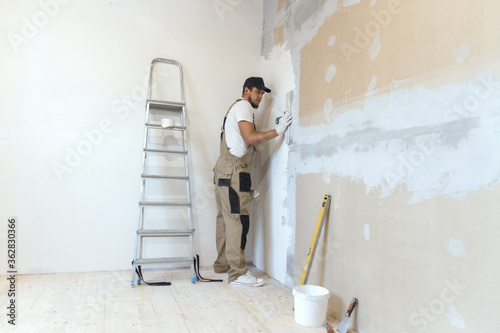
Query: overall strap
223, 128
223, 145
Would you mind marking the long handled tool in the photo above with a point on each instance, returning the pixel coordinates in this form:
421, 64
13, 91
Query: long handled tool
345, 322
325, 205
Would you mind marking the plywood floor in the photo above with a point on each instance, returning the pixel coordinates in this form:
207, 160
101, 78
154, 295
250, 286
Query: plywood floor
106, 302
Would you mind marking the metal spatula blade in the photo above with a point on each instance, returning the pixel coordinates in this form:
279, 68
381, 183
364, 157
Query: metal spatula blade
345, 322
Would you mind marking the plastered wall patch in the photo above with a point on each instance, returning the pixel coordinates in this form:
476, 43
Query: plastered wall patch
375, 48
463, 53
366, 231
331, 40
371, 88
349, 3
281, 5
456, 248
455, 317
326, 178
278, 35
431, 140
330, 72
328, 110
307, 18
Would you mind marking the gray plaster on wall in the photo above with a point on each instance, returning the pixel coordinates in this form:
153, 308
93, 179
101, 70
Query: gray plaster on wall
450, 133
301, 20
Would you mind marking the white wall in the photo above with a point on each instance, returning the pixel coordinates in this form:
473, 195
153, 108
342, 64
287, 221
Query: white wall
80, 70
273, 233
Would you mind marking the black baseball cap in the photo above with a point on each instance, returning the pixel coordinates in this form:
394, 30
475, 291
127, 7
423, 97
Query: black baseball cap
256, 82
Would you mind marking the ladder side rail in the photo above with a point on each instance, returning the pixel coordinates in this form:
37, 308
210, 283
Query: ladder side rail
194, 275
193, 257
181, 73
140, 218
143, 169
141, 245
188, 195
150, 84
136, 246
192, 244
186, 166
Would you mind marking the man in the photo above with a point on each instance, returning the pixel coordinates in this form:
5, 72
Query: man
232, 180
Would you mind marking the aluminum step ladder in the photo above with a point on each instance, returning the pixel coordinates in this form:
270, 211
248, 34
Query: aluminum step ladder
166, 180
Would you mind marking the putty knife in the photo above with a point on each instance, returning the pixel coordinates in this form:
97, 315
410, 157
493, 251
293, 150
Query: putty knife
345, 322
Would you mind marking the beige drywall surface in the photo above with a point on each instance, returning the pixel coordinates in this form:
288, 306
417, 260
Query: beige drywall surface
373, 49
404, 135
412, 267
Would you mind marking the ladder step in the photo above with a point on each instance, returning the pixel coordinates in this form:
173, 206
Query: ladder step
165, 232
149, 203
145, 261
165, 177
175, 128
174, 106
184, 152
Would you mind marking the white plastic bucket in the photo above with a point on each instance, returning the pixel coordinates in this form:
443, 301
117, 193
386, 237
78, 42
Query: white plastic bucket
310, 304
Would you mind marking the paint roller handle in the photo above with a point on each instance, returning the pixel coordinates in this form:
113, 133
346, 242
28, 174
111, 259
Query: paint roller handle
353, 304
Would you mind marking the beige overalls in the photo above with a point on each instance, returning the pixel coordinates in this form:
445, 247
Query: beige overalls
232, 193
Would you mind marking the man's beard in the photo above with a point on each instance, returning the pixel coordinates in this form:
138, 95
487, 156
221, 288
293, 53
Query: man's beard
252, 103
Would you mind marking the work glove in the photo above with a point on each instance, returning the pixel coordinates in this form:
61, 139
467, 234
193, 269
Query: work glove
283, 122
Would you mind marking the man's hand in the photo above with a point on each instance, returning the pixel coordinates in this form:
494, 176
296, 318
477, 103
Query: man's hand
284, 122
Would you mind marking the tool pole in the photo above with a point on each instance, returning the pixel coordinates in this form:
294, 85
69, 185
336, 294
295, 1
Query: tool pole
325, 205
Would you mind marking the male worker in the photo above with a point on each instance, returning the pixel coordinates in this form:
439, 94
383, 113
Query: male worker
233, 183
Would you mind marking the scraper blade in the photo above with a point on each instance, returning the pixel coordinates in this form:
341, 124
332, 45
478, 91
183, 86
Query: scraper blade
345, 322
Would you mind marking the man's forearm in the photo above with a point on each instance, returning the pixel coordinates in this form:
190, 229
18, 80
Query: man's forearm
260, 137
252, 137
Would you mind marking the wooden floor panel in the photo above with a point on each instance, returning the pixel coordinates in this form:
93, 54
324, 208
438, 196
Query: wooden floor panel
106, 302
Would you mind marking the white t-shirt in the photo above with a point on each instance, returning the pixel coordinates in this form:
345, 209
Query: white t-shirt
241, 111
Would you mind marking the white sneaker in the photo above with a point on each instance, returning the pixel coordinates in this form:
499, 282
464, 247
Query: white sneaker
247, 280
